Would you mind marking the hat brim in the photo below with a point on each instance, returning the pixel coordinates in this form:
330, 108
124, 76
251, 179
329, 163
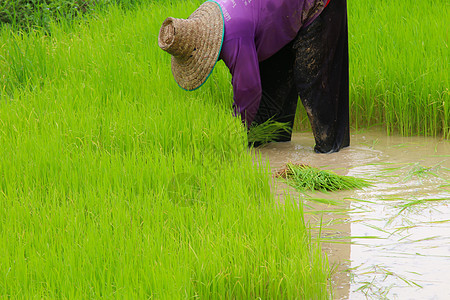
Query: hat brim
192, 72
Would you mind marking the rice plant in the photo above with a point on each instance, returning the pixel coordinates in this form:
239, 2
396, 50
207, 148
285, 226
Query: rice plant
267, 132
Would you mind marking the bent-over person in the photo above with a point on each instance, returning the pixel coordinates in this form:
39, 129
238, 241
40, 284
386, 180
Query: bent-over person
276, 51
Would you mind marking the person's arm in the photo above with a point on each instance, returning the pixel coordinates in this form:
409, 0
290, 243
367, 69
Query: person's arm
241, 58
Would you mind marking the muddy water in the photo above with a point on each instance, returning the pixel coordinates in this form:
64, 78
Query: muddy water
390, 240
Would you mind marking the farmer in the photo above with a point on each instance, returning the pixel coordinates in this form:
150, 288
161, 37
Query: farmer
276, 50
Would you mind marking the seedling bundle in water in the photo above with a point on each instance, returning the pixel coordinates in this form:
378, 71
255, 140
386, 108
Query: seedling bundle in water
304, 177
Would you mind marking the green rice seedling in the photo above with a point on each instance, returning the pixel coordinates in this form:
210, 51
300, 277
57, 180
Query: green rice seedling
422, 172
408, 204
373, 289
332, 202
306, 178
266, 132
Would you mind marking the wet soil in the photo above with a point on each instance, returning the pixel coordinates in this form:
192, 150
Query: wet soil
390, 240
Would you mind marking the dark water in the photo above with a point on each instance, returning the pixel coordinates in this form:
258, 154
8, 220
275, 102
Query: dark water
399, 227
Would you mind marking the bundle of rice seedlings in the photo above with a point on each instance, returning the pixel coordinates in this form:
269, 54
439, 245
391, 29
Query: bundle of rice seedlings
266, 132
304, 178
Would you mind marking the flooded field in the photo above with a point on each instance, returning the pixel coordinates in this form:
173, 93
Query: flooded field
390, 240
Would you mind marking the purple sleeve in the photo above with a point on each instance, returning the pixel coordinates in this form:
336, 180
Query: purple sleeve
242, 60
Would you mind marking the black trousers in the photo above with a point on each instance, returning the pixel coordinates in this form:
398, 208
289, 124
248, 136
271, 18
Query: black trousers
313, 66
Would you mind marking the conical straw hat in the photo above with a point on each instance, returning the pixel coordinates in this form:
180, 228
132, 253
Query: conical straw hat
194, 44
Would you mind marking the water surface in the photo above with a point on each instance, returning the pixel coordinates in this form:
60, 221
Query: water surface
399, 228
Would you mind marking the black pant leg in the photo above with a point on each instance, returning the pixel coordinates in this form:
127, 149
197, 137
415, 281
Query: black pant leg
279, 95
322, 79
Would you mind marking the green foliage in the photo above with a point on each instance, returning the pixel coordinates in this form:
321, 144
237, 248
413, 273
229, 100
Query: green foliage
38, 13
25, 14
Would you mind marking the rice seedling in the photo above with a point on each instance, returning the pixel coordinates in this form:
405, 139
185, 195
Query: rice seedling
412, 170
413, 203
306, 178
422, 172
373, 289
328, 202
266, 132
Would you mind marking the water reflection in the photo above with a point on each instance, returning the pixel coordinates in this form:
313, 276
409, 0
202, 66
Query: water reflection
400, 226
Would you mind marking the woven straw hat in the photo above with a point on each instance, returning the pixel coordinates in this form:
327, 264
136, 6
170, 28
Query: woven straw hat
194, 44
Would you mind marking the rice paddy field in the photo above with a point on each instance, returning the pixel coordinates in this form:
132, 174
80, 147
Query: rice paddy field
114, 182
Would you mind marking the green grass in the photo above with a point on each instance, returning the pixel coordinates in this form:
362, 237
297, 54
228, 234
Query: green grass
307, 178
116, 183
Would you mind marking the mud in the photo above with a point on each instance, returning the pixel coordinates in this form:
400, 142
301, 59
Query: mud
390, 240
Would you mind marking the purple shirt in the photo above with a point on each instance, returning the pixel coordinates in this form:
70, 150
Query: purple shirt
254, 31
